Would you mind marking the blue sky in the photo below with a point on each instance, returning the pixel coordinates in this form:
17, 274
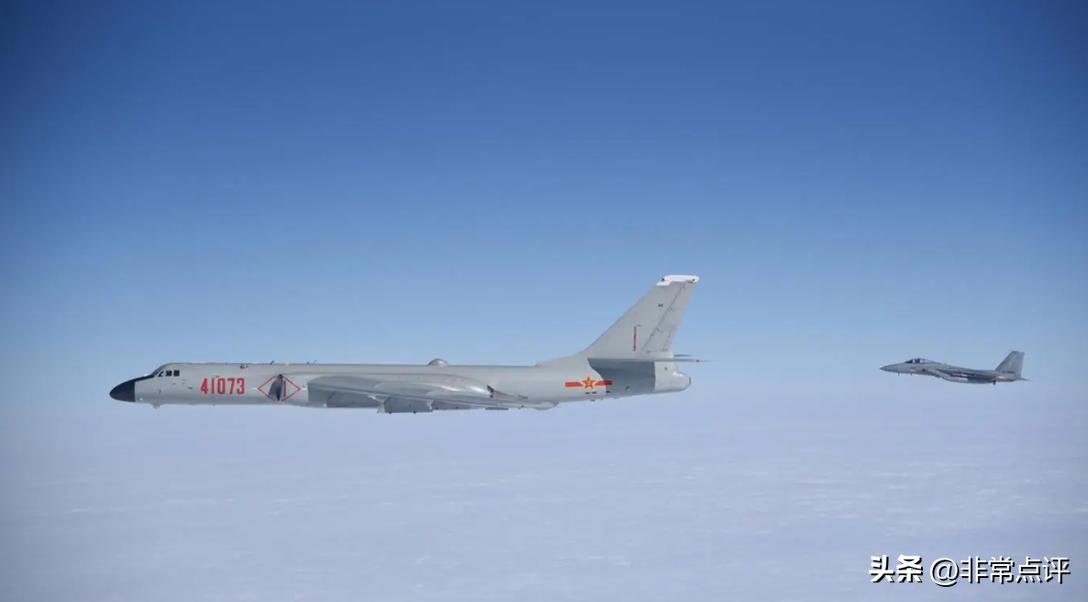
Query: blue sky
857, 183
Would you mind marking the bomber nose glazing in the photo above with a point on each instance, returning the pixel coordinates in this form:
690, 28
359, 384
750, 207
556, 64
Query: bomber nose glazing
125, 391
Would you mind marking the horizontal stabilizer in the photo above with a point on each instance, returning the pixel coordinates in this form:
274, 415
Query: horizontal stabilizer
650, 360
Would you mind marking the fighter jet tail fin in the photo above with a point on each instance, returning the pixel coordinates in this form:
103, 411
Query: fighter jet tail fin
1013, 362
646, 330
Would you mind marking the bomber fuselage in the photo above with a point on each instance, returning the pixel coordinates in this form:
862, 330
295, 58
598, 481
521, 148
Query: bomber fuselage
271, 383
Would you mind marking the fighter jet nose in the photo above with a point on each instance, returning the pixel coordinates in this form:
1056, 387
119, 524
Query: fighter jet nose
125, 391
887, 368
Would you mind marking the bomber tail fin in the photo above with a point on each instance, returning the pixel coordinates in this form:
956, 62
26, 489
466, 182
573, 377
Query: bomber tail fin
646, 330
1013, 362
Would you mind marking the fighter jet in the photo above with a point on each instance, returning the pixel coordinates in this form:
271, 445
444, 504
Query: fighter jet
633, 357
1007, 371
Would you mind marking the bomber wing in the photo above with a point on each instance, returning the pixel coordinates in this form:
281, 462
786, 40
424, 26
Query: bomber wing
412, 393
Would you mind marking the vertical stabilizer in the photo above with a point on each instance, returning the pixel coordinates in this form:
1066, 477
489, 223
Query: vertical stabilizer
1013, 362
646, 330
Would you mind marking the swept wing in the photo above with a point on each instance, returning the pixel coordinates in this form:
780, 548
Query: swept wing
411, 393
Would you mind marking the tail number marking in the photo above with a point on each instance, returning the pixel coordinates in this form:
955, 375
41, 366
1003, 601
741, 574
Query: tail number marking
223, 385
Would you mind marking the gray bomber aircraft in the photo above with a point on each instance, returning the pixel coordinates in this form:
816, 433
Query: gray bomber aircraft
1007, 371
633, 357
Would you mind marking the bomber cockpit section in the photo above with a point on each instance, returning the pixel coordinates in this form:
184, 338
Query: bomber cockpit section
165, 371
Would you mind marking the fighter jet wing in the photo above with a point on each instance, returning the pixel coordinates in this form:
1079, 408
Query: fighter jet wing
439, 392
946, 375
934, 372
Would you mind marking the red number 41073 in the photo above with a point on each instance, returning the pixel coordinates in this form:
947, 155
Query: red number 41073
220, 385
